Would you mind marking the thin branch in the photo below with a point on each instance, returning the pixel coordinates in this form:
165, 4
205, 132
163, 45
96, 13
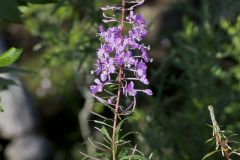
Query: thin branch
93, 158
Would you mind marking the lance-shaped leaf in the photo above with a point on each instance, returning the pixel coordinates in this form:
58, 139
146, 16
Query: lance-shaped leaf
210, 154
9, 56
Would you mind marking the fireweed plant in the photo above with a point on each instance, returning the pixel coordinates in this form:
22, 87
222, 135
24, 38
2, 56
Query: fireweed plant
121, 64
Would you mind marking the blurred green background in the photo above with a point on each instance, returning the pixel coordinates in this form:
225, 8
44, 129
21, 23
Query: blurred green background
195, 45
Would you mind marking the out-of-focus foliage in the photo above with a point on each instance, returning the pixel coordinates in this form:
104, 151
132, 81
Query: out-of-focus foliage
67, 32
67, 44
67, 35
201, 70
232, 50
9, 10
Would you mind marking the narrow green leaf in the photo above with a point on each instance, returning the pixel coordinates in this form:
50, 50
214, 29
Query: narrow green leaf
127, 134
210, 154
209, 140
9, 56
138, 152
105, 132
120, 124
102, 123
99, 115
122, 142
95, 145
101, 144
209, 125
123, 153
138, 157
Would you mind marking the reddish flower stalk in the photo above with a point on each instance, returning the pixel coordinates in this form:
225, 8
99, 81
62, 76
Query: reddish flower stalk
114, 146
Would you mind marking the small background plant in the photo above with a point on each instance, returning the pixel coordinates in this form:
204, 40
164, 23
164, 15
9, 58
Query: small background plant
223, 141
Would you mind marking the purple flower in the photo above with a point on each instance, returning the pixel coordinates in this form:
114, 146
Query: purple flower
120, 58
129, 60
104, 76
131, 17
138, 19
144, 54
111, 99
141, 69
101, 29
96, 88
125, 58
129, 90
148, 92
103, 51
98, 67
108, 67
132, 43
144, 80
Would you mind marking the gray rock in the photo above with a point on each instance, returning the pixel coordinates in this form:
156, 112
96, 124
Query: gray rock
29, 147
18, 116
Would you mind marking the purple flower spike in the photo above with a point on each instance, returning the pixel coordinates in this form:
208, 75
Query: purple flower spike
122, 51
